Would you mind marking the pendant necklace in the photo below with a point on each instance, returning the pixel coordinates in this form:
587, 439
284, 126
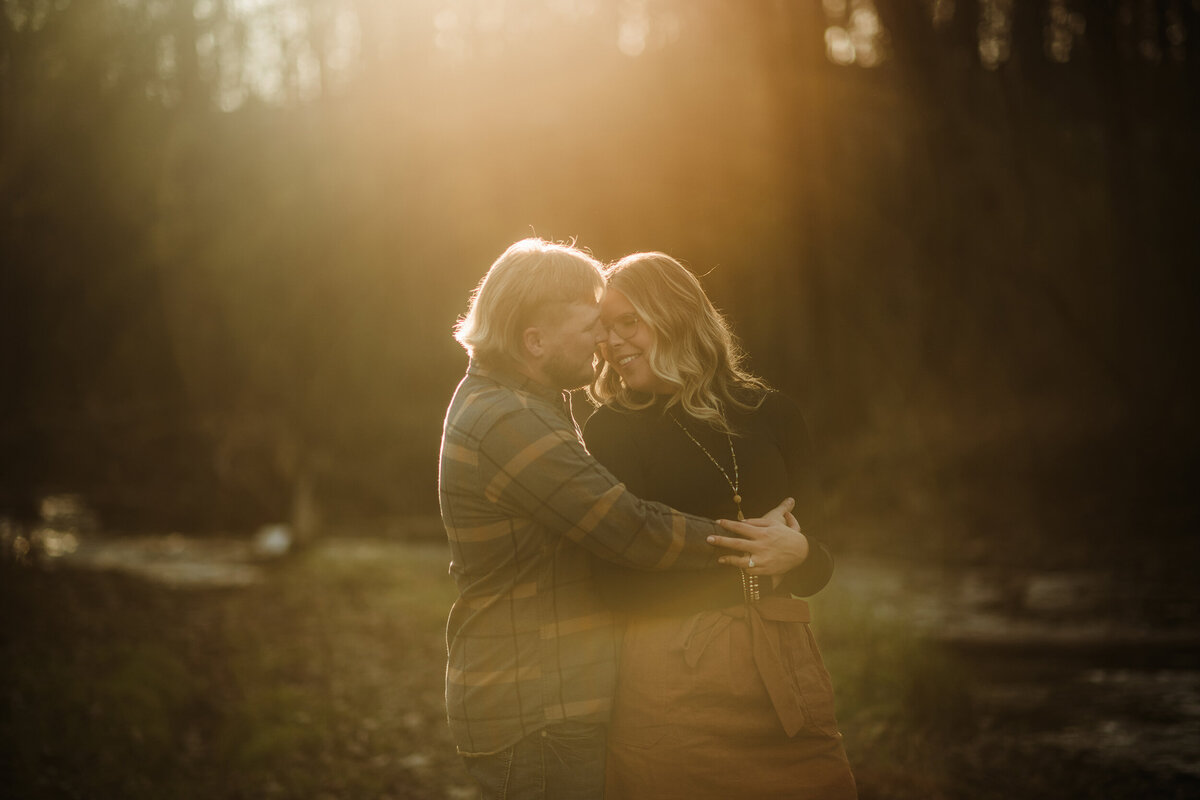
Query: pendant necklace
750, 588
733, 484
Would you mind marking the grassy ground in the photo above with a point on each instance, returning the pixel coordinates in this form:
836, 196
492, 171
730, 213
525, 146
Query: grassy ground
325, 681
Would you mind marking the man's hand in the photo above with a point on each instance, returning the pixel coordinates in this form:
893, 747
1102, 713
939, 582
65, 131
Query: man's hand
769, 545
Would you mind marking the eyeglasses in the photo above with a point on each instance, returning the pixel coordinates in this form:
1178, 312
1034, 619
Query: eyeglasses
625, 325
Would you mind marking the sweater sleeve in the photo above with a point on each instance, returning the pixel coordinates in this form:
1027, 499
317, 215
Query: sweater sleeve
791, 433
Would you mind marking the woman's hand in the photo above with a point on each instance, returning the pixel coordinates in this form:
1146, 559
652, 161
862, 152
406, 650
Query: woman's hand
769, 545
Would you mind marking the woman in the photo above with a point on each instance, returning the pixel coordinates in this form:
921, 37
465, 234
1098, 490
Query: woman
722, 690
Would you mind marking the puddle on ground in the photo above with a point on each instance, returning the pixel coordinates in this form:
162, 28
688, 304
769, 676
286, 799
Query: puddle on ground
1152, 717
173, 559
992, 607
1146, 718
66, 535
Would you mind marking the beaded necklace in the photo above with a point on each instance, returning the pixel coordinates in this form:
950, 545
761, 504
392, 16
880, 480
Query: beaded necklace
733, 484
750, 587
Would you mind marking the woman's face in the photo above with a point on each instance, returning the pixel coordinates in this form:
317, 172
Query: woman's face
629, 355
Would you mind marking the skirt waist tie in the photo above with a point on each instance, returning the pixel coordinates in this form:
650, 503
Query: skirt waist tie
781, 685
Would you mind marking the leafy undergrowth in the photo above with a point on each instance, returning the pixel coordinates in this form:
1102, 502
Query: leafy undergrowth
325, 681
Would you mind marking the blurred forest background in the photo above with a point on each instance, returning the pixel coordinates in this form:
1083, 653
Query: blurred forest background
236, 234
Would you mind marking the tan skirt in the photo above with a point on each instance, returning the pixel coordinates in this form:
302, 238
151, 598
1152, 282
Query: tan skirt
726, 704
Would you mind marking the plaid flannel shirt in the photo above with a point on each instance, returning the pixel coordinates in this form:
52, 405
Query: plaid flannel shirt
525, 506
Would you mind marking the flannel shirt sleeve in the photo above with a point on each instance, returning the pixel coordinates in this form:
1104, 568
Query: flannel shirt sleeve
532, 464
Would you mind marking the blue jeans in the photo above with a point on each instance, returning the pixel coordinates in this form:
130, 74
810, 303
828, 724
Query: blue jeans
560, 762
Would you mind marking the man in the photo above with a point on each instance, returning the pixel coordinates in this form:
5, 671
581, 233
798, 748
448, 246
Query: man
532, 650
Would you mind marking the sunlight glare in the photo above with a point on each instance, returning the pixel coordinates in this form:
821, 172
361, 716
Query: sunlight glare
262, 64
995, 32
490, 16
865, 22
836, 9
1062, 29
865, 32
270, 52
635, 28
860, 39
346, 44
838, 46
54, 543
448, 36
308, 75
573, 9
164, 89
865, 53
943, 12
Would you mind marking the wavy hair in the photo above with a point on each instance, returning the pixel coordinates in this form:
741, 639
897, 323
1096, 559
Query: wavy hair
525, 283
694, 348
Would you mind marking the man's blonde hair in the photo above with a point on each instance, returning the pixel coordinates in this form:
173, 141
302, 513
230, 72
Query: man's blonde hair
694, 348
524, 285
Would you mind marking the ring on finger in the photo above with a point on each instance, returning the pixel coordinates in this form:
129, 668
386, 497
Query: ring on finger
750, 564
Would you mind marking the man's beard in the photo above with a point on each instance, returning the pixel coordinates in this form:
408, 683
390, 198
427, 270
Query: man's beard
569, 374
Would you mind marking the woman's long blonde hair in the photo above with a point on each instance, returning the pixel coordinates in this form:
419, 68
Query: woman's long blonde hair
693, 348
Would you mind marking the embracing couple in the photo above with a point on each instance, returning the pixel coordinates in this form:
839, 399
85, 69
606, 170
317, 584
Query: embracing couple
629, 621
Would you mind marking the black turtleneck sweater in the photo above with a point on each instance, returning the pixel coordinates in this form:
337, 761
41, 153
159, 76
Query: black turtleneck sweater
655, 459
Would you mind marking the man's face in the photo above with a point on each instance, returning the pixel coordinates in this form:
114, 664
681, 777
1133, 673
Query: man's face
570, 345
